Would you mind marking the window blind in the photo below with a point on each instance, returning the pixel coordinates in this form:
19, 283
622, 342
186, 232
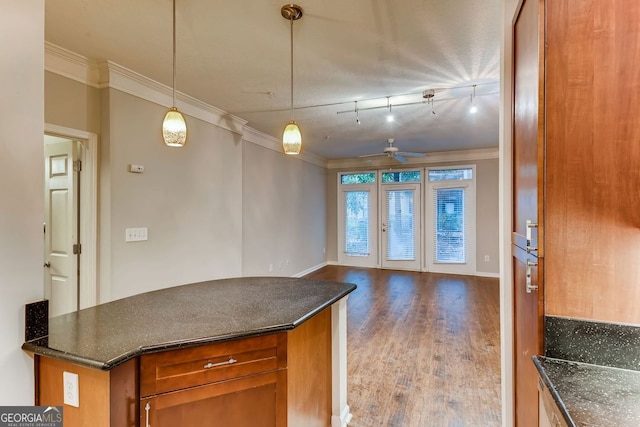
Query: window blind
450, 228
400, 226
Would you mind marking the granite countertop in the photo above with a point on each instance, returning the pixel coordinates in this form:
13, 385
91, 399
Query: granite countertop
592, 395
107, 335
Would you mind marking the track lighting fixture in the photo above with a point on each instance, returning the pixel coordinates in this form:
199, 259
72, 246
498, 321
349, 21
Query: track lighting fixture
473, 108
291, 136
174, 128
389, 115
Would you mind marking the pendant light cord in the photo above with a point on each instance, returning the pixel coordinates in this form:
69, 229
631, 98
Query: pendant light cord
291, 34
174, 53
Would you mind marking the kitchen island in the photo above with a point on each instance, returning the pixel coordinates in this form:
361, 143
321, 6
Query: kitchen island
244, 351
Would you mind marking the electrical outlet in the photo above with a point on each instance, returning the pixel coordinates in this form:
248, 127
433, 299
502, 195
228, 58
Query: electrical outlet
486, 258
270, 268
71, 389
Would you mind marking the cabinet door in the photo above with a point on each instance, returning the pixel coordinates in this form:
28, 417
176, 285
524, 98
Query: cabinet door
528, 185
528, 318
254, 401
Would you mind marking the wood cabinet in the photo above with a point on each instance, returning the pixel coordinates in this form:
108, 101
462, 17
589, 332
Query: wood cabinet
274, 380
236, 383
592, 197
527, 235
576, 172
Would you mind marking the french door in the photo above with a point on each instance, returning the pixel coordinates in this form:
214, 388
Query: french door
400, 227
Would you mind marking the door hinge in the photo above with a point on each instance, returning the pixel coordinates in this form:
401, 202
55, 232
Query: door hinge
77, 249
77, 165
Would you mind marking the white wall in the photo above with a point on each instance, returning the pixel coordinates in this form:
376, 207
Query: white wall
284, 206
21, 183
190, 199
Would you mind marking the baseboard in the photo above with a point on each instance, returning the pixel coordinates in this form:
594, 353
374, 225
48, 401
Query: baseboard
343, 419
485, 274
310, 270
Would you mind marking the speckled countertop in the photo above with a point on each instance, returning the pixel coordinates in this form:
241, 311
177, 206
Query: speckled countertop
109, 334
592, 370
592, 395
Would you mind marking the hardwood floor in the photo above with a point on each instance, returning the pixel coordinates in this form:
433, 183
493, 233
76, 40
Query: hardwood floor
423, 348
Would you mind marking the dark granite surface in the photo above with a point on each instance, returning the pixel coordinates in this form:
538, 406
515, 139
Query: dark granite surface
607, 344
109, 334
36, 320
592, 395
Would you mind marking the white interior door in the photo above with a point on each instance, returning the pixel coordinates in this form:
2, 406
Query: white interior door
61, 219
400, 229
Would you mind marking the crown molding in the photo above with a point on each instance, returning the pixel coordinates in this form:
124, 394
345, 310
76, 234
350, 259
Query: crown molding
435, 157
267, 141
108, 74
125, 80
69, 64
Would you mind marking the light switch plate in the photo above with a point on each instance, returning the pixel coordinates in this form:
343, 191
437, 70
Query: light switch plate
136, 234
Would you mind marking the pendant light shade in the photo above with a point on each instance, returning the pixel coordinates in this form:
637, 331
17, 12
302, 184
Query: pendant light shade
174, 128
291, 136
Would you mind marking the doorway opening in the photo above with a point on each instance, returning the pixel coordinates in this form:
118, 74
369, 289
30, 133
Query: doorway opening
70, 223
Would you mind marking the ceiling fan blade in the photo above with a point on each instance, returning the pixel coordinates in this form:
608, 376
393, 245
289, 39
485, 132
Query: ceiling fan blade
410, 154
400, 158
373, 155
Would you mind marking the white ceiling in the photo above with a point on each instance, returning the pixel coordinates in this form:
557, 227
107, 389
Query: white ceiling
235, 55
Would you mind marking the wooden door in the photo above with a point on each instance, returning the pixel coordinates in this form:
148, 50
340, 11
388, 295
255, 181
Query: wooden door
61, 219
527, 220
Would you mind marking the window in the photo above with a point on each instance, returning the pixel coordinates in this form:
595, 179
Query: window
358, 178
401, 176
450, 174
356, 223
450, 225
450, 230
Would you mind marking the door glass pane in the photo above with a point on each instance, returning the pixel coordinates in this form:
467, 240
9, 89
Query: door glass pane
356, 223
450, 226
400, 225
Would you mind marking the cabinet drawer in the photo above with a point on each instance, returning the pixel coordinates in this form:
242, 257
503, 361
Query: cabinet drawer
179, 369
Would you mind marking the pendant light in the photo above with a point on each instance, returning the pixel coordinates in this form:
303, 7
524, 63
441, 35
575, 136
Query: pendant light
291, 136
174, 128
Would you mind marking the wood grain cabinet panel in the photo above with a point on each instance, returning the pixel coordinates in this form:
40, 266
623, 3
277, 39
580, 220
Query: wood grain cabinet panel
274, 380
592, 202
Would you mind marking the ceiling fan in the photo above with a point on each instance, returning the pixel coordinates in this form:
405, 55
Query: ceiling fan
392, 152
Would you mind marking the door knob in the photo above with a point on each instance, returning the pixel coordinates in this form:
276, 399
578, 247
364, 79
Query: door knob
47, 264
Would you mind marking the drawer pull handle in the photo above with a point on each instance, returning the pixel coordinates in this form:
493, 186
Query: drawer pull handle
147, 407
530, 226
529, 286
213, 365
